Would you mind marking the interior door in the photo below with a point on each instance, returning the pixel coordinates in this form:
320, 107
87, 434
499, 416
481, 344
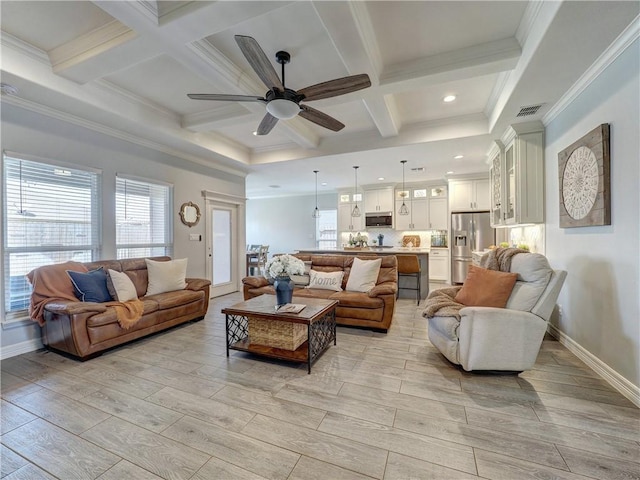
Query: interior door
222, 251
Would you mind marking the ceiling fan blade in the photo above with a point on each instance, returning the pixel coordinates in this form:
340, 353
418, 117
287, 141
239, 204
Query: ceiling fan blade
322, 119
259, 62
336, 87
267, 124
225, 98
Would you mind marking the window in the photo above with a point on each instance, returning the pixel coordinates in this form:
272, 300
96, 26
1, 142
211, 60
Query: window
144, 223
51, 215
327, 229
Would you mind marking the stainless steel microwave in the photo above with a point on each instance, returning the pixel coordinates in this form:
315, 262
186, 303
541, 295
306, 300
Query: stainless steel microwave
383, 219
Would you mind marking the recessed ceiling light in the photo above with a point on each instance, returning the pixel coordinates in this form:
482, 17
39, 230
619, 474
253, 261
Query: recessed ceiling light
380, 178
458, 157
449, 172
449, 98
255, 133
324, 184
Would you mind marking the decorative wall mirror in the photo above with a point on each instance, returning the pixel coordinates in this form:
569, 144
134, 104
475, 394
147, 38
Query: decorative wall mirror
190, 214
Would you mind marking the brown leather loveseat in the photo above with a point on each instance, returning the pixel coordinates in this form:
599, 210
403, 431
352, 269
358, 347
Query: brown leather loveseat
371, 310
84, 329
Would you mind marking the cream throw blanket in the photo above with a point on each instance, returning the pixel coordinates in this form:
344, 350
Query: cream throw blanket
441, 303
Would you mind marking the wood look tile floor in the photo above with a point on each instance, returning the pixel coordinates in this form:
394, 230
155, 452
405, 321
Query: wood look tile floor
378, 406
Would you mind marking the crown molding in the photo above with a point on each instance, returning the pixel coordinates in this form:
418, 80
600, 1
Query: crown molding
112, 132
617, 47
24, 48
527, 21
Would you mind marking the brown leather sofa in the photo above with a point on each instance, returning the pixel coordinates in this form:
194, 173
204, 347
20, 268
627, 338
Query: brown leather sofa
84, 329
371, 310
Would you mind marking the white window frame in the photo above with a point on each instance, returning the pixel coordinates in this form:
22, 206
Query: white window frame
93, 246
166, 245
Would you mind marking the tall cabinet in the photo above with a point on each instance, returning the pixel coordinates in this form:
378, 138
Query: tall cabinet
346, 202
517, 175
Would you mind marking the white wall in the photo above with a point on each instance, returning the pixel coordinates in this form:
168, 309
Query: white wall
285, 223
601, 298
34, 134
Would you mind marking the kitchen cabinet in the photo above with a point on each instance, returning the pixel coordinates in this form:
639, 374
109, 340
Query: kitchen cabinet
418, 218
522, 175
496, 157
438, 214
379, 200
439, 264
469, 195
346, 202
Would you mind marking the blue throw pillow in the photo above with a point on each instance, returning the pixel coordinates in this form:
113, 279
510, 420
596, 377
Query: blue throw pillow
90, 286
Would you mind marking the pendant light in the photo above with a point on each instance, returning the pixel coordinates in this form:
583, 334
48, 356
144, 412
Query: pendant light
356, 211
316, 212
404, 210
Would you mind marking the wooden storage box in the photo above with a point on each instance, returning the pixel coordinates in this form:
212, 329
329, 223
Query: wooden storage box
272, 333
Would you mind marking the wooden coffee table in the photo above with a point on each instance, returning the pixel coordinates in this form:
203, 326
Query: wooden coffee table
319, 317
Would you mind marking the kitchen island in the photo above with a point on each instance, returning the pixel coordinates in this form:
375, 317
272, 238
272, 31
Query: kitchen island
423, 258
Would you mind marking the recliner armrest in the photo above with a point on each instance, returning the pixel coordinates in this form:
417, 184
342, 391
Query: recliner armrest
384, 288
255, 282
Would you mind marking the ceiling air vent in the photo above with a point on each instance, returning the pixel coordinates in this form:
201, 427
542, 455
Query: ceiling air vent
530, 110
417, 169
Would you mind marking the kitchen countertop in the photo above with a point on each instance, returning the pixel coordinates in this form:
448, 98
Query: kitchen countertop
376, 250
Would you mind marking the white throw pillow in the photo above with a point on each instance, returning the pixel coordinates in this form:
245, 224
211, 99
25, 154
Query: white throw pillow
326, 280
363, 275
166, 276
124, 287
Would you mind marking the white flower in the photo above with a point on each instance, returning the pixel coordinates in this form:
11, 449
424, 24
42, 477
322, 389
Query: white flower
284, 265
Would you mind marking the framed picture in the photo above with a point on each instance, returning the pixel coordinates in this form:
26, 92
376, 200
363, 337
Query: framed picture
585, 182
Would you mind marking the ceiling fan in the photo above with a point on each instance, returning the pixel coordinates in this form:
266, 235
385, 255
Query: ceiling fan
284, 103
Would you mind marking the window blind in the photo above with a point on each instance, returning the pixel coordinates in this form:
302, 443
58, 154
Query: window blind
144, 222
51, 215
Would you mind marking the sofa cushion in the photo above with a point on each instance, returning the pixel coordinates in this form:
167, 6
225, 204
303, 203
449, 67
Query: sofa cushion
90, 286
486, 288
534, 273
123, 287
313, 293
363, 275
166, 276
109, 316
357, 299
326, 280
175, 298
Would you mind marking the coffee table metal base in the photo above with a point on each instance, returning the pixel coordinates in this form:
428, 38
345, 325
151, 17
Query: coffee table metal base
320, 334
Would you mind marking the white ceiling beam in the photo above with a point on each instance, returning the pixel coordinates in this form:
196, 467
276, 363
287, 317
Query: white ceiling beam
349, 26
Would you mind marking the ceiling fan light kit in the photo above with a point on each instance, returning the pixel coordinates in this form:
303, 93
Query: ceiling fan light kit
283, 103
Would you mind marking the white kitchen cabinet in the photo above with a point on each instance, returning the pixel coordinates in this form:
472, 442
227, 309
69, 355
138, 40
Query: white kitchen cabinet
439, 264
438, 214
418, 218
346, 202
496, 158
522, 175
469, 195
379, 200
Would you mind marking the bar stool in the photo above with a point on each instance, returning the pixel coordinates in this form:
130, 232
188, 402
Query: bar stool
409, 266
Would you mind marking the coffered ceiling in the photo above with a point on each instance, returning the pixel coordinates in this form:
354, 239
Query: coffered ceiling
125, 68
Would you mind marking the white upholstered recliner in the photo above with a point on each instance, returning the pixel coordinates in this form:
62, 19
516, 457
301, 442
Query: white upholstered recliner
508, 339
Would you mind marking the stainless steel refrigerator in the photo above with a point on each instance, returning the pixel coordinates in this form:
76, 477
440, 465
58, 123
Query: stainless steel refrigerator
469, 232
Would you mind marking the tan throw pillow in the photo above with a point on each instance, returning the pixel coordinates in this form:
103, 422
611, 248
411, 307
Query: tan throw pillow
363, 275
486, 288
326, 280
166, 276
124, 288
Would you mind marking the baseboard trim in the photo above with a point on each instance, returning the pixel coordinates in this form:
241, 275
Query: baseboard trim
20, 348
617, 381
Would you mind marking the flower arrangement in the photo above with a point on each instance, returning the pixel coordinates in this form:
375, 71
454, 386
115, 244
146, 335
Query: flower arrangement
284, 266
359, 240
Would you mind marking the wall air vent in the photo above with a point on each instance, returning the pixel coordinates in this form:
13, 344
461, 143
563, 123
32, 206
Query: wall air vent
417, 169
530, 110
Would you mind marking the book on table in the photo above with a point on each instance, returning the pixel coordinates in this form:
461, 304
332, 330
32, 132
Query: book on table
290, 308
